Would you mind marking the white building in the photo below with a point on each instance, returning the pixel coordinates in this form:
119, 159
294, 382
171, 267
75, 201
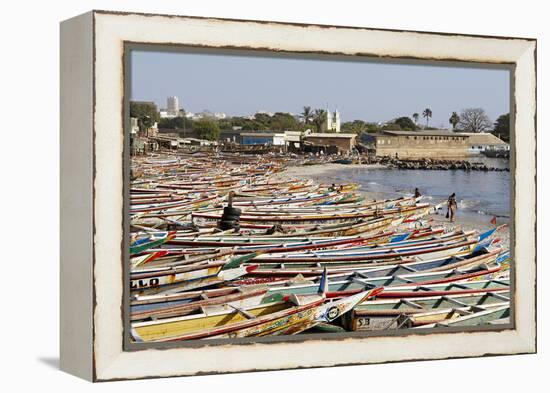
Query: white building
332, 121
134, 128
166, 115
264, 112
206, 114
173, 106
480, 142
279, 139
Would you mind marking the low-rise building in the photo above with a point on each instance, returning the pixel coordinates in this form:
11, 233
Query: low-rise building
343, 143
167, 115
174, 141
206, 115
196, 142
293, 140
480, 142
134, 127
419, 144
262, 138
230, 136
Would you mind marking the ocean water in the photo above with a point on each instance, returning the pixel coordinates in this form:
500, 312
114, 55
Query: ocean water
477, 193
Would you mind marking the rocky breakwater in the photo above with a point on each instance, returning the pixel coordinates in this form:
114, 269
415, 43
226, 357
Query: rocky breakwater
436, 164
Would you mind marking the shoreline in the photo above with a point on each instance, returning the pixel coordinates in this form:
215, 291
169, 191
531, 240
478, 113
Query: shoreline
318, 172
327, 174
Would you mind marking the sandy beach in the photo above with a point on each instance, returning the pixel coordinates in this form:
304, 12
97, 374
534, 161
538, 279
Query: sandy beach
332, 173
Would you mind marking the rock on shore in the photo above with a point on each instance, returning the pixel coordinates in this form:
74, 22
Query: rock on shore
437, 164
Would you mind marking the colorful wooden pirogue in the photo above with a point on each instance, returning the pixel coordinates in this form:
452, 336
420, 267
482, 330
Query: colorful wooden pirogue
222, 246
289, 315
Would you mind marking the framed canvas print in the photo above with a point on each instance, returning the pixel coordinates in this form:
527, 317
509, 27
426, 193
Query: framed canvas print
248, 195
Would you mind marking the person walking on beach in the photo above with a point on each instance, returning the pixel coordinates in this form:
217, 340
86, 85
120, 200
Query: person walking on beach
451, 207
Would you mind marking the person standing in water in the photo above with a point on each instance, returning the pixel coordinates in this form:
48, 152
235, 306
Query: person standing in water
417, 193
451, 207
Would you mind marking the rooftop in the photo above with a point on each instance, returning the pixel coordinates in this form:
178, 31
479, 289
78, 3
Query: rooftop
424, 133
330, 135
484, 138
194, 140
259, 134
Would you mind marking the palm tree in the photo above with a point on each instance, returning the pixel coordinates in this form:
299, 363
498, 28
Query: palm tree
319, 118
307, 113
415, 117
427, 114
454, 119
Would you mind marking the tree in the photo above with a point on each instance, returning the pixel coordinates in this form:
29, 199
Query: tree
283, 121
307, 114
405, 123
454, 119
176, 123
146, 114
262, 118
207, 129
415, 117
427, 114
252, 125
373, 127
356, 126
237, 121
391, 127
502, 127
319, 118
474, 120
225, 124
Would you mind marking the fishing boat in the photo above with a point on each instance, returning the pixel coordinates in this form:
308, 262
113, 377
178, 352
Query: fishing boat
417, 311
170, 307
488, 315
322, 218
189, 276
441, 250
234, 322
366, 246
341, 287
140, 244
240, 241
301, 257
487, 256
447, 288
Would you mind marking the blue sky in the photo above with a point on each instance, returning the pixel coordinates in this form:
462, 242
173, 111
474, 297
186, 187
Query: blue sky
370, 91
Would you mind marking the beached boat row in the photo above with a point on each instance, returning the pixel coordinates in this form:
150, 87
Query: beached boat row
222, 246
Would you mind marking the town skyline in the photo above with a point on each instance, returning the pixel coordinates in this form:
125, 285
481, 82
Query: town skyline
382, 91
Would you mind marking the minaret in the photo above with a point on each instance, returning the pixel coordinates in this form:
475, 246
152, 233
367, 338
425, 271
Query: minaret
336, 121
328, 120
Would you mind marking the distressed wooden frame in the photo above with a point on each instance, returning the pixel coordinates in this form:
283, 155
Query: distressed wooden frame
92, 198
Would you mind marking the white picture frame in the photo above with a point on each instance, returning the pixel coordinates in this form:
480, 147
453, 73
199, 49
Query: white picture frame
92, 194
